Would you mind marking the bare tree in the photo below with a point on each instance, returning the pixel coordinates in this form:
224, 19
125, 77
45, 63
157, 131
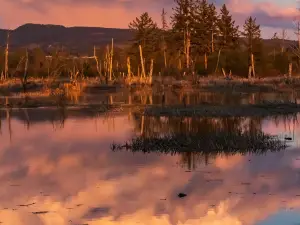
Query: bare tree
283, 38
6, 56
296, 48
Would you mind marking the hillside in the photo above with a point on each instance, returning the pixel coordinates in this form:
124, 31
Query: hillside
79, 38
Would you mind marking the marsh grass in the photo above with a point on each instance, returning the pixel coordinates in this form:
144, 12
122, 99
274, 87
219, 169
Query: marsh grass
270, 84
261, 109
138, 80
212, 142
45, 92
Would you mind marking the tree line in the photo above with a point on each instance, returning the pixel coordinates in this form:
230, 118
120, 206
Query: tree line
195, 39
202, 40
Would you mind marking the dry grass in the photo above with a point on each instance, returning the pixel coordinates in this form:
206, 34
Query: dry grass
138, 80
41, 89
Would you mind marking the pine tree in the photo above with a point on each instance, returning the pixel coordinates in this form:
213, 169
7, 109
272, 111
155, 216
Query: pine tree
201, 29
146, 35
229, 33
252, 34
182, 20
253, 42
212, 21
182, 17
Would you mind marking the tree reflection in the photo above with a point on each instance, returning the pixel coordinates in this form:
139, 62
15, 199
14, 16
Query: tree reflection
201, 139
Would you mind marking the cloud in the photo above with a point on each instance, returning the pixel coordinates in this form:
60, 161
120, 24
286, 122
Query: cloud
118, 13
113, 13
267, 13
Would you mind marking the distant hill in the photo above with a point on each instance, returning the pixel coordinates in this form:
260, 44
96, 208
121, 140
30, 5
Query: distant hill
78, 38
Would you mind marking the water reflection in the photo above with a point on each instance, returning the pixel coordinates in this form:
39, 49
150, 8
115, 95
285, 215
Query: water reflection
200, 140
153, 96
70, 176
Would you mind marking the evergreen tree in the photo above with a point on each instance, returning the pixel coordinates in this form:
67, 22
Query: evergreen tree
146, 35
229, 34
182, 21
183, 16
253, 43
212, 21
252, 34
201, 29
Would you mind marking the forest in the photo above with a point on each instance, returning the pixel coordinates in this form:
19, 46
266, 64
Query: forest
195, 39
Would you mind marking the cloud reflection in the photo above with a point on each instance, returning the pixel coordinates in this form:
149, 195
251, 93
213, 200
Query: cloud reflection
73, 176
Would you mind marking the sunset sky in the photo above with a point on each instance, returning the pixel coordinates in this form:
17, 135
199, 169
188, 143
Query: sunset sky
271, 14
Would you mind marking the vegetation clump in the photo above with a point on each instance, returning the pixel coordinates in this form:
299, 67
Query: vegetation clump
210, 142
262, 109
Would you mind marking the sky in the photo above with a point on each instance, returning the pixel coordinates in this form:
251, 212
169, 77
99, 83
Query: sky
273, 15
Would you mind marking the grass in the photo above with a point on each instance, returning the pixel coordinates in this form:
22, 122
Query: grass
270, 84
262, 109
212, 142
49, 92
209, 83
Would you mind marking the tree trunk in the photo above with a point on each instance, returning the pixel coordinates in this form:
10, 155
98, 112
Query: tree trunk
142, 61
249, 72
224, 73
218, 61
165, 58
111, 59
6, 58
290, 69
151, 68
212, 42
128, 67
252, 65
205, 61
24, 80
179, 62
188, 50
151, 71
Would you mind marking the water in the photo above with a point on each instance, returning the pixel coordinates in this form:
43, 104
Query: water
61, 170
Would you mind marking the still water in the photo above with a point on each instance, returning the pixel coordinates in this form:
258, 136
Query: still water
57, 171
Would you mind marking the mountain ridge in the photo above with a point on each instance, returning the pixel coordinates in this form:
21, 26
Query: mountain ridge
80, 39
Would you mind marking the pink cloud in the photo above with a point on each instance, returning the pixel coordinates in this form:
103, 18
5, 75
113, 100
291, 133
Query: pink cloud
118, 13
268, 14
107, 15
